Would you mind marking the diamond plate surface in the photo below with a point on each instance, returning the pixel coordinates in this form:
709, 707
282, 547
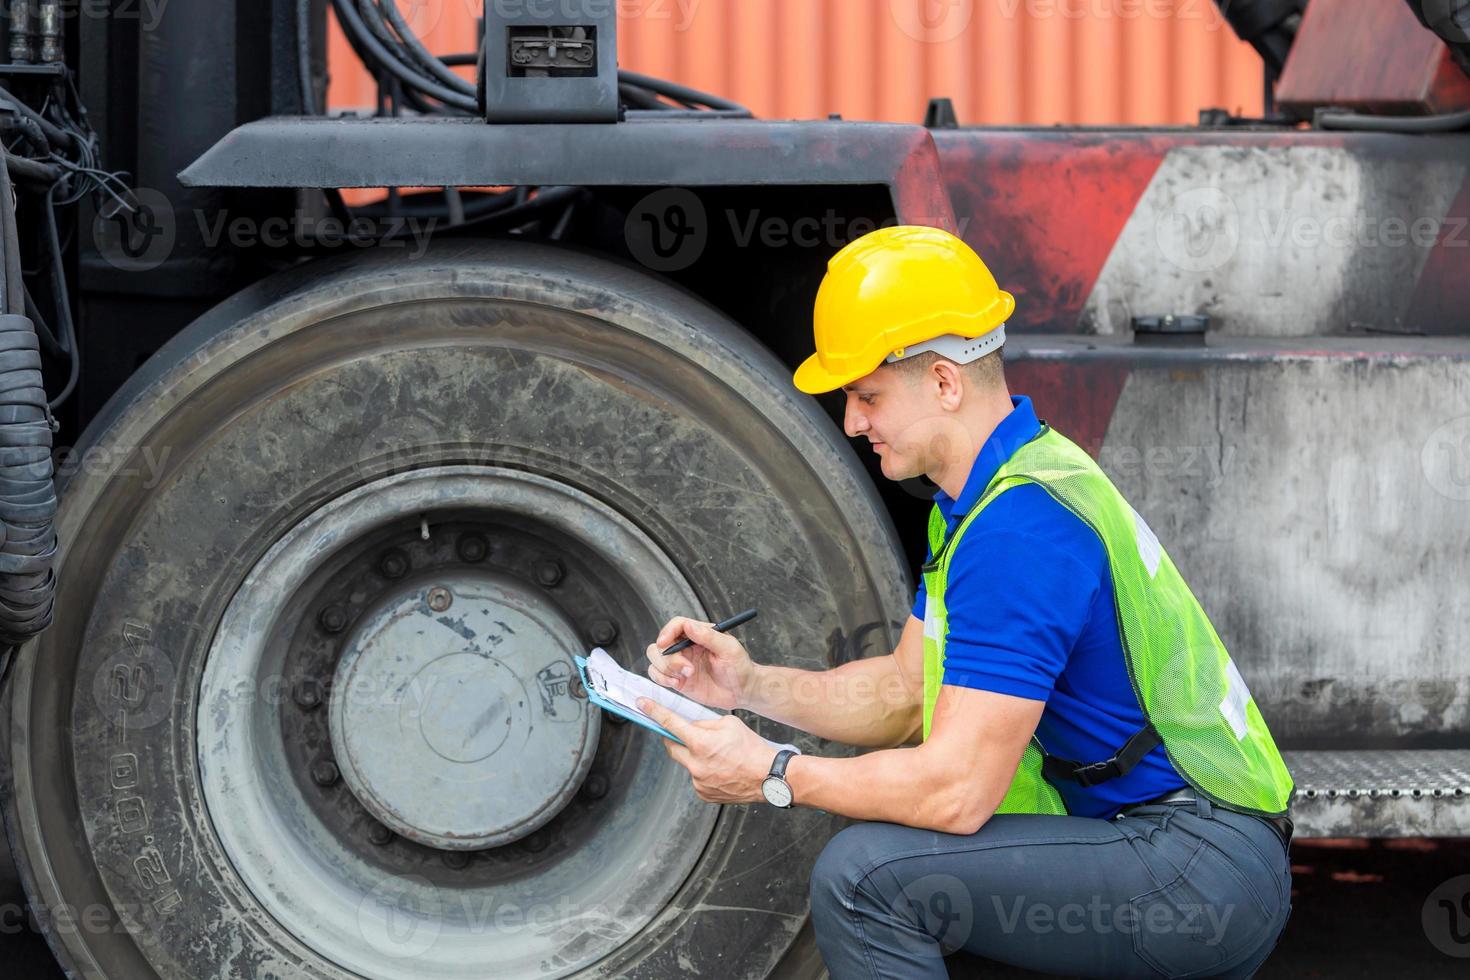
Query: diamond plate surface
1381, 793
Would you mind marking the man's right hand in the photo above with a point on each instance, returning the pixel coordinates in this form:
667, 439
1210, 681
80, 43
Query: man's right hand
716, 671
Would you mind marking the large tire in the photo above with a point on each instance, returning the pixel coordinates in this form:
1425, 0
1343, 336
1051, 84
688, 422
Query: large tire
553, 369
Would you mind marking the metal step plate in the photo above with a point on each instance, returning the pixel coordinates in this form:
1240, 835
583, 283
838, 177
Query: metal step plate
1381, 793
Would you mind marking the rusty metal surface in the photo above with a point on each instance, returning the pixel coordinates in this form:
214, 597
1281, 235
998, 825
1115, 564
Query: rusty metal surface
1381, 793
1267, 231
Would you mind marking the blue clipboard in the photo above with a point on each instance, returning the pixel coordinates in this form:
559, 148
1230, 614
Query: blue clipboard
618, 709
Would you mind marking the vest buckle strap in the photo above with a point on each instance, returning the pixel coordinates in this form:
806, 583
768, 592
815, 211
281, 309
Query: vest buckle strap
1140, 744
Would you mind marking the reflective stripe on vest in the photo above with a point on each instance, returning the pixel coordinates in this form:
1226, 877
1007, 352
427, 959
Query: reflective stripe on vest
1186, 684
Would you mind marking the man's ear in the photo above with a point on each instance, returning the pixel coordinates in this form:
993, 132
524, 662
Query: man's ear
951, 383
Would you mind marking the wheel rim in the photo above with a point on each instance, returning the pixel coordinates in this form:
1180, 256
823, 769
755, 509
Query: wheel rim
442, 814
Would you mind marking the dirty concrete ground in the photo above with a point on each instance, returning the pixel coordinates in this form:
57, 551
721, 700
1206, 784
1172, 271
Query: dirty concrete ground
1356, 913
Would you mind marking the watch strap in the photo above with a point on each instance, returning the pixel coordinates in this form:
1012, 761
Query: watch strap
778, 767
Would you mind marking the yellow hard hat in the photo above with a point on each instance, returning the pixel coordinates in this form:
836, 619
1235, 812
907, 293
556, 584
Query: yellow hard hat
895, 289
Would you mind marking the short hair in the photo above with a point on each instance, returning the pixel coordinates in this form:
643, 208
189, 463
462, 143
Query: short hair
987, 371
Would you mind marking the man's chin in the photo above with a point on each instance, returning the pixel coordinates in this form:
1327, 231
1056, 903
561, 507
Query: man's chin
894, 469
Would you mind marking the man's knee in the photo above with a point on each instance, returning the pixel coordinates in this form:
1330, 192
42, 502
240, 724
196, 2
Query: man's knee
842, 865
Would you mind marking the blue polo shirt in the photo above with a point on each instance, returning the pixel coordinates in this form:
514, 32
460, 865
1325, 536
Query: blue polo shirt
1030, 603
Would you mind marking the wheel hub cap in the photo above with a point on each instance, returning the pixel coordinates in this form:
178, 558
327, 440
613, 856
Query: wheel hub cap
466, 744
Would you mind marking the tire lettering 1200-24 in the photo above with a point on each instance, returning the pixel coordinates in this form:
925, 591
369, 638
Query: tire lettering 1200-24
126, 689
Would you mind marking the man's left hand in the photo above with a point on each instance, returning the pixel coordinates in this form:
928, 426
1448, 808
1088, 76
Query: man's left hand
726, 760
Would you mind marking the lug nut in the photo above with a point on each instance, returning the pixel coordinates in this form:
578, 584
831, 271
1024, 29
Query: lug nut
307, 694
333, 619
456, 860
536, 843
440, 598
379, 834
473, 548
324, 773
596, 786
576, 688
549, 572
393, 564
604, 631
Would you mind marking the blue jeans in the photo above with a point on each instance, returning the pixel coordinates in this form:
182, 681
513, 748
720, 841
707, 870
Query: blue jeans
1179, 889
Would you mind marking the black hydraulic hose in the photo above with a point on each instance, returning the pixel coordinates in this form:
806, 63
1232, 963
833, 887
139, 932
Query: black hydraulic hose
68, 337
681, 93
57, 136
1449, 122
27, 491
640, 98
430, 61
12, 290
33, 171
375, 28
546, 200
303, 58
43, 329
379, 56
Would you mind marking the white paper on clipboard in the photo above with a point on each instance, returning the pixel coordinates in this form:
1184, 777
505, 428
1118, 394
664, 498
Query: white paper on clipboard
624, 688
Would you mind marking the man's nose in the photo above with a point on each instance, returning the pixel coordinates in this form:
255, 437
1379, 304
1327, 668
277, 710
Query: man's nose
854, 423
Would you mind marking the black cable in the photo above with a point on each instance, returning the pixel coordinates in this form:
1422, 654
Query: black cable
430, 61
303, 58
384, 40
12, 298
546, 199
54, 133
32, 170
380, 57
43, 329
62, 302
380, 60
640, 98
682, 93
1448, 122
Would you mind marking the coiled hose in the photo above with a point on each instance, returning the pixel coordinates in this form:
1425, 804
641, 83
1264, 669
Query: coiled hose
27, 491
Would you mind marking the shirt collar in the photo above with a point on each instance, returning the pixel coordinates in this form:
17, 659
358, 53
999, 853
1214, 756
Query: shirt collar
1014, 431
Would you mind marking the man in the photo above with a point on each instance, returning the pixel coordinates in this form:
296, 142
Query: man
1050, 627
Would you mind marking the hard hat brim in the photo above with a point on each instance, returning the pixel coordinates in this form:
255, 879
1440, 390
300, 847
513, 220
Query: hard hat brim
814, 379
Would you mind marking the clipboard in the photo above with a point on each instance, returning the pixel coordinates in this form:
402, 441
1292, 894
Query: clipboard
622, 681
632, 714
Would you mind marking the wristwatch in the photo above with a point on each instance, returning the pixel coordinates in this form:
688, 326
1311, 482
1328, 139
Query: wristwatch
774, 787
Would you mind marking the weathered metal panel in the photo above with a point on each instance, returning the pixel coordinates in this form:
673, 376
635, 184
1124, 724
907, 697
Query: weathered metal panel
1268, 232
318, 152
1313, 492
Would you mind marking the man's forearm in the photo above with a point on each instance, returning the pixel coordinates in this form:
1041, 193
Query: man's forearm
894, 786
866, 703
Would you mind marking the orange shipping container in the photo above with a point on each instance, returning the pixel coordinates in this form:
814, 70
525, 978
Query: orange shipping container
1004, 62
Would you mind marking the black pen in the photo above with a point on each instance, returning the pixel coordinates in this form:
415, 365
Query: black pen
725, 627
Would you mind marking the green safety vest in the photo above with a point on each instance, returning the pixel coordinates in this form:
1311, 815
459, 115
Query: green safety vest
1192, 697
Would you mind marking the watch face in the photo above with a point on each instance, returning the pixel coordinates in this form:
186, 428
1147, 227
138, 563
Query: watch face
776, 792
